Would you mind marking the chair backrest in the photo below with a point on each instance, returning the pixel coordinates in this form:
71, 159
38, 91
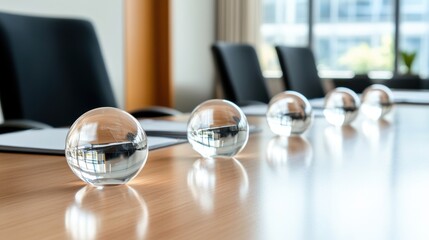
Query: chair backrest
300, 71
358, 83
52, 70
240, 72
410, 82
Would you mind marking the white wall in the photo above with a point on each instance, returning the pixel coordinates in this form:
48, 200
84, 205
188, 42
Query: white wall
193, 31
107, 17
193, 24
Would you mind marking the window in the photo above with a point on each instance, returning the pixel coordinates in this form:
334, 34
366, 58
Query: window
414, 35
360, 36
288, 24
323, 11
348, 35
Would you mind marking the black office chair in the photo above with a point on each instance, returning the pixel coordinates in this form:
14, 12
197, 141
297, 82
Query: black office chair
358, 83
51, 71
300, 71
409, 82
240, 73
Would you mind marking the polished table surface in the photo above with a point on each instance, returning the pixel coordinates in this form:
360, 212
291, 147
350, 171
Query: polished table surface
366, 181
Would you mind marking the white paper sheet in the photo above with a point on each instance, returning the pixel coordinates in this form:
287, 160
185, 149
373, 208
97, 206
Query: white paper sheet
399, 96
52, 141
164, 128
261, 110
173, 129
161, 133
412, 97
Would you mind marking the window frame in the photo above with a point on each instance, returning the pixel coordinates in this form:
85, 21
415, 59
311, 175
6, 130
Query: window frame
396, 4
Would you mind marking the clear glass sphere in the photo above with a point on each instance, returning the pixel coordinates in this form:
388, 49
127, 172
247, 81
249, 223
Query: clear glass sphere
289, 113
106, 146
377, 101
341, 106
218, 128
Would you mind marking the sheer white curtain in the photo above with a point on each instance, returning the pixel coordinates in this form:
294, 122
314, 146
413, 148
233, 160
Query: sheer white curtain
239, 21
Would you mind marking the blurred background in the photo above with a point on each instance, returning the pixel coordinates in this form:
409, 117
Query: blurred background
157, 52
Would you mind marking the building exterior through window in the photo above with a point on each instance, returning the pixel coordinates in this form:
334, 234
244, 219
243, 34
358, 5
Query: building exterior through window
348, 36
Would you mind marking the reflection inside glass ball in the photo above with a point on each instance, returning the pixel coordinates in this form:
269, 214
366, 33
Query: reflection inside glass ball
377, 101
341, 106
289, 113
106, 146
218, 128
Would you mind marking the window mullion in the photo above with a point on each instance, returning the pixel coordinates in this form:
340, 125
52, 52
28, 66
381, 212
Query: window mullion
396, 36
310, 24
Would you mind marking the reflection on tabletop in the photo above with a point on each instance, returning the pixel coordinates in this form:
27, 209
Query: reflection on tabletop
339, 141
368, 180
210, 179
87, 216
334, 183
290, 151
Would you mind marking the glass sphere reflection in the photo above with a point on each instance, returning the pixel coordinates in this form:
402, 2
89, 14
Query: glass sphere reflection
211, 179
218, 128
87, 216
377, 101
341, 106
289, 152
289, 113
106, 146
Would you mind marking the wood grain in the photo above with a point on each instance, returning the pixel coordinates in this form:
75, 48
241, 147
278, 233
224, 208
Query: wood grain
147, 54
366, 181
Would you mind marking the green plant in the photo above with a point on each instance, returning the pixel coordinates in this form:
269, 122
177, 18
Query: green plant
363, 58
408, 59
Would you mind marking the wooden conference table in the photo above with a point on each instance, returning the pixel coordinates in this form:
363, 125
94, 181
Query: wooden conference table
367, 181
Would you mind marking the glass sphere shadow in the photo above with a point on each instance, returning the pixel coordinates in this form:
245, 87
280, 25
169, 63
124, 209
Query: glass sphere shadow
340, 141
92, 209
212, 178
289, 152
377, 132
